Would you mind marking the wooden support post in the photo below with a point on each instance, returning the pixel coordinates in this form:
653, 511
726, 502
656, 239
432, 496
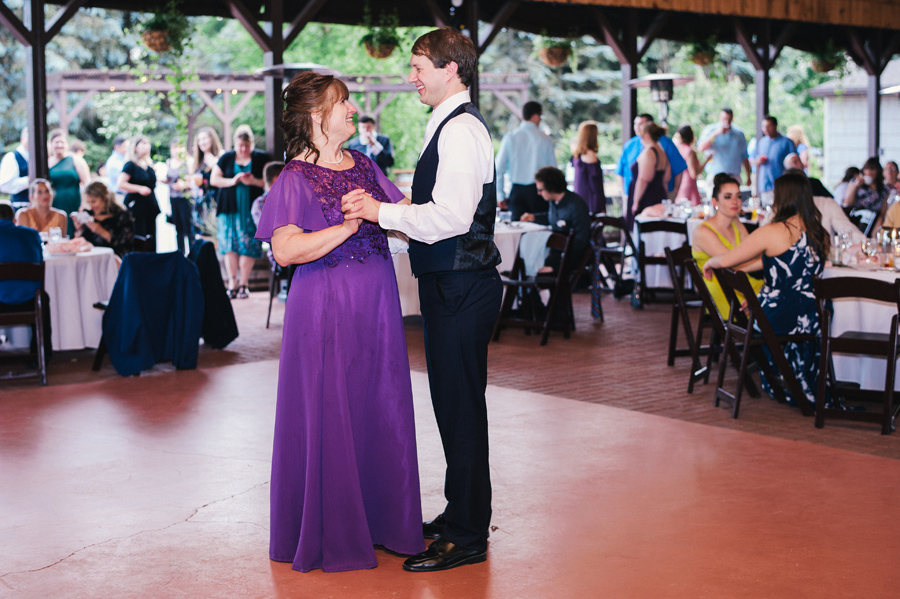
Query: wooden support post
629, 51
274, 85
873, 54
762, 53
36, 91
472, 26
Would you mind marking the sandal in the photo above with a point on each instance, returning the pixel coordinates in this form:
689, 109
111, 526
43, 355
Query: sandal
231, 292
243, 292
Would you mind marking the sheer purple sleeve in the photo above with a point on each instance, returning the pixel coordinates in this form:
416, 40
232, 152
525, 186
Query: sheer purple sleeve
390, 190
290, 202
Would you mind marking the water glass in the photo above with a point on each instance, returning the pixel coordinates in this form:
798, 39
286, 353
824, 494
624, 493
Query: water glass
55, 234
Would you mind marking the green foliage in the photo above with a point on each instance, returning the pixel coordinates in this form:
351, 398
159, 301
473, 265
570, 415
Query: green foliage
381, 31
171, 20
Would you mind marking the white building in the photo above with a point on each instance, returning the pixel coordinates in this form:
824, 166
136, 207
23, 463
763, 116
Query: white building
846, 122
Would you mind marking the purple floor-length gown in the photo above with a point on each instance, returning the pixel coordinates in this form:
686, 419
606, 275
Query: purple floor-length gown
344, 469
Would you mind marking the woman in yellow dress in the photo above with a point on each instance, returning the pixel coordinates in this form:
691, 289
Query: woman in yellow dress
41, 215
721, 232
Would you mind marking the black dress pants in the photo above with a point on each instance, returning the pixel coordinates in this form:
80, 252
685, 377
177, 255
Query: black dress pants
459, 310
525, 198
184, 227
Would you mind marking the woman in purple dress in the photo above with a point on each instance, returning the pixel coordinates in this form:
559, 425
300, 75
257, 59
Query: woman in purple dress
588, 181
344, 468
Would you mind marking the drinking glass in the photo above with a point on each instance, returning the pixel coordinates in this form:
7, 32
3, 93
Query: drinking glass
55, 234
869, 248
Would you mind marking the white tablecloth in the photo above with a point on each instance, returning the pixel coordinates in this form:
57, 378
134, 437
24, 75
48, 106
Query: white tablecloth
655, 244
866, 316
75, 282
505, 236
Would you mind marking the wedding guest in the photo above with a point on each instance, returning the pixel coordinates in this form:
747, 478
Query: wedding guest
721, 232
177, 176
650, 173
588, 181
104, 222
206, 152
840, 190
238, 175
684, 139
68, 173
40, 215
138, 181
791, 252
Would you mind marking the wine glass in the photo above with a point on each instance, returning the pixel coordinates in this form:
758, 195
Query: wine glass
55, 234
869, 248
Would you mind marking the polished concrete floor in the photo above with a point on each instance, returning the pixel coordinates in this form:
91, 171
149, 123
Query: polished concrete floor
157, 487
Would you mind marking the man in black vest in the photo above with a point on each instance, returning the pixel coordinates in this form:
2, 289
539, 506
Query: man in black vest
450, 224
14, 173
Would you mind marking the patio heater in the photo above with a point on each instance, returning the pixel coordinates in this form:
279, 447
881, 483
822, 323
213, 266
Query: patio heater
662, 90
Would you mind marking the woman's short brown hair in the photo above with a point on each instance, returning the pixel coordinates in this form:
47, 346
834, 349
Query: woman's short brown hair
653, 130
308, 93
446, 45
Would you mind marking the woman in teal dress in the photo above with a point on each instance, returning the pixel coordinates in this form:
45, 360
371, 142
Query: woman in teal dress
67, 173
791, 252
238, 175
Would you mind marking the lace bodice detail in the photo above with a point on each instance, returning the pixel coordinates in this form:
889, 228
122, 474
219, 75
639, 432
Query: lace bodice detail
329, 186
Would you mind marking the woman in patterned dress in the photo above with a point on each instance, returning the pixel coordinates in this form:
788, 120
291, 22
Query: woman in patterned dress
791, 252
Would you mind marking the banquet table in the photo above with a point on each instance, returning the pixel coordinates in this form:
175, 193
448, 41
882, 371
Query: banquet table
506, 236
861, 315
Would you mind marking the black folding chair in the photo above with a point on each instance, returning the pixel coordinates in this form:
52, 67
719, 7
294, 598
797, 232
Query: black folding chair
648, 293
26, 271
532, 316
882, 345
737, 328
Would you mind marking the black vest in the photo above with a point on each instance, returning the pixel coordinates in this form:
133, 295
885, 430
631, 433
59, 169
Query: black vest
20, 199
471, 251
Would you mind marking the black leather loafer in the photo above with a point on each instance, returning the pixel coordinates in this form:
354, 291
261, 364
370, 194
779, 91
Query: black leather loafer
443, 555
434, 528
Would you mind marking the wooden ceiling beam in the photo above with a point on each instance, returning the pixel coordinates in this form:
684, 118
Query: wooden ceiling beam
301, 20
62, 17
15, 26
251, 23
500, 19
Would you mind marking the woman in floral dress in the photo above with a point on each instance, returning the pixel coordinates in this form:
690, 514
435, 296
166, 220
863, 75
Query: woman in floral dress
791, 252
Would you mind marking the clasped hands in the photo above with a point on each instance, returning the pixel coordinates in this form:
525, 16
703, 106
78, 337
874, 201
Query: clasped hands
359, 204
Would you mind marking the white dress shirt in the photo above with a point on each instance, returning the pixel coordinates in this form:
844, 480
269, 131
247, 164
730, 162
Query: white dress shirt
10, 181
466, 164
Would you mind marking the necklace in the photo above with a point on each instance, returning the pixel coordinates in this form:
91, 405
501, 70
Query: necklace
330, 162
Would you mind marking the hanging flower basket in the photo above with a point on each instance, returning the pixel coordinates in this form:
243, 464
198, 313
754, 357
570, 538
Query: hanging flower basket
822, 65
702, 58
554, 56
158, 41
379, 51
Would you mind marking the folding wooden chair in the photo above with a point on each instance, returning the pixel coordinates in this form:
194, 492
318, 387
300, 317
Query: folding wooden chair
612, 250
648, 293
883, 345
675, 260
532, 316
782, 377
711, 319
26, 271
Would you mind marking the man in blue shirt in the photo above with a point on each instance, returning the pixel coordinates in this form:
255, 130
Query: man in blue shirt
21, 244
771, 150
633, 148
523, 151
115, 162
728, 146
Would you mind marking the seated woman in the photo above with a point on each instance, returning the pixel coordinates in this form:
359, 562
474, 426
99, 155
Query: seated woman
723, 231
40, 215
792, 251
650, 174
868, 191
105, 223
